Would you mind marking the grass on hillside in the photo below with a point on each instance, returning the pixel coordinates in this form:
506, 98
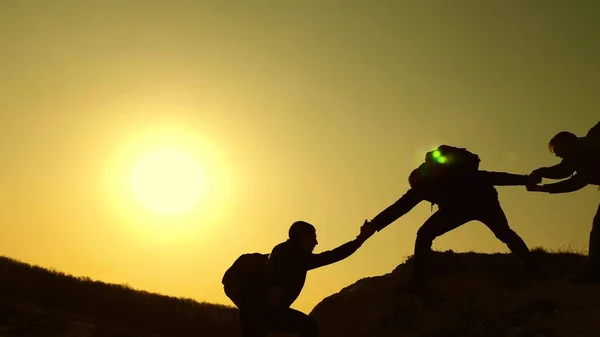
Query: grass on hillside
90, 300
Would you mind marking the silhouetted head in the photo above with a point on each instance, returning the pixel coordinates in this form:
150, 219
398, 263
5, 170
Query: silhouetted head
563, 144
304, 236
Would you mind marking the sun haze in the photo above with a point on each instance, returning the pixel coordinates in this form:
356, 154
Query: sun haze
167, 181
152, 143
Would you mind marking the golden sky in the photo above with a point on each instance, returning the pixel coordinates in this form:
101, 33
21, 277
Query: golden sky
312, 110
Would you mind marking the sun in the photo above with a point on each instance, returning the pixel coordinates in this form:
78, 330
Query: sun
168, 181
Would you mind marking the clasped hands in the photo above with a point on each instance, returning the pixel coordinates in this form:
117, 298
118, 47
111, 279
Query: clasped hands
534, 179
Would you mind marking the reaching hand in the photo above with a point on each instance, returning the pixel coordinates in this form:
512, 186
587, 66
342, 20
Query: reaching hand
535, 188
366, 230
537, 173
533, 179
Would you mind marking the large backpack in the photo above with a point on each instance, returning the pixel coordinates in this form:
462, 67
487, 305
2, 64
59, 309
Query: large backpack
442, 167
246, 281
445, 163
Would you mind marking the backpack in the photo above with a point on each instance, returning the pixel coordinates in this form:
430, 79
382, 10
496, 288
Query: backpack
448, 162
246, 281
443, 165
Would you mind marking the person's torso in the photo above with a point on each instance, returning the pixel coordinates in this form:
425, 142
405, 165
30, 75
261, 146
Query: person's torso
292, 281
460, 192
587, 160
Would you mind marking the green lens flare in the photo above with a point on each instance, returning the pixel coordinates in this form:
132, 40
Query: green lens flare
436, 154
441, 160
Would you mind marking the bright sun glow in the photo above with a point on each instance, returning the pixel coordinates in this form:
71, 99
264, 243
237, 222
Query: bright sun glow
168, 181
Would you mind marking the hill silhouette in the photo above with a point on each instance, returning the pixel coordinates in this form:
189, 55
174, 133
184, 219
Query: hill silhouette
470, 295
35, 301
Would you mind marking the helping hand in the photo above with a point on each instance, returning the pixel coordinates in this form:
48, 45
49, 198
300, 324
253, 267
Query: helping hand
366, 230
535, 188
537, 174
533, 179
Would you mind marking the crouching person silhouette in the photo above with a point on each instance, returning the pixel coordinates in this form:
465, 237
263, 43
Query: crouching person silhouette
265, 286
450, 177
581, 159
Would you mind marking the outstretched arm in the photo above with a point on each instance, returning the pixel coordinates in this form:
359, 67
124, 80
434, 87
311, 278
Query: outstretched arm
343, 251
576, 182
408, 201
506, 179
559, 171
334, 255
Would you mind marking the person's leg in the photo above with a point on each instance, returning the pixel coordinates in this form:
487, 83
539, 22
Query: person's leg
440, 223
294, 321
253, 322
593, 267
494, 218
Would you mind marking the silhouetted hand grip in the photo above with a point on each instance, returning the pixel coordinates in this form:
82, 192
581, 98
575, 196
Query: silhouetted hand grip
535, 188
534, 178
366, 231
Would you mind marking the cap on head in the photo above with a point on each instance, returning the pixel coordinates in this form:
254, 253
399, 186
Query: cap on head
561, 140
300, 228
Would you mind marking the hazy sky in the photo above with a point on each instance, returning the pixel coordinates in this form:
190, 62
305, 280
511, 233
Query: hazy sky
313, 110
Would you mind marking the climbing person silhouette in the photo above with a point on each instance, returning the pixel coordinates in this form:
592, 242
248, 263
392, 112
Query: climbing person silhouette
287, 266
450, 177
581, 162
